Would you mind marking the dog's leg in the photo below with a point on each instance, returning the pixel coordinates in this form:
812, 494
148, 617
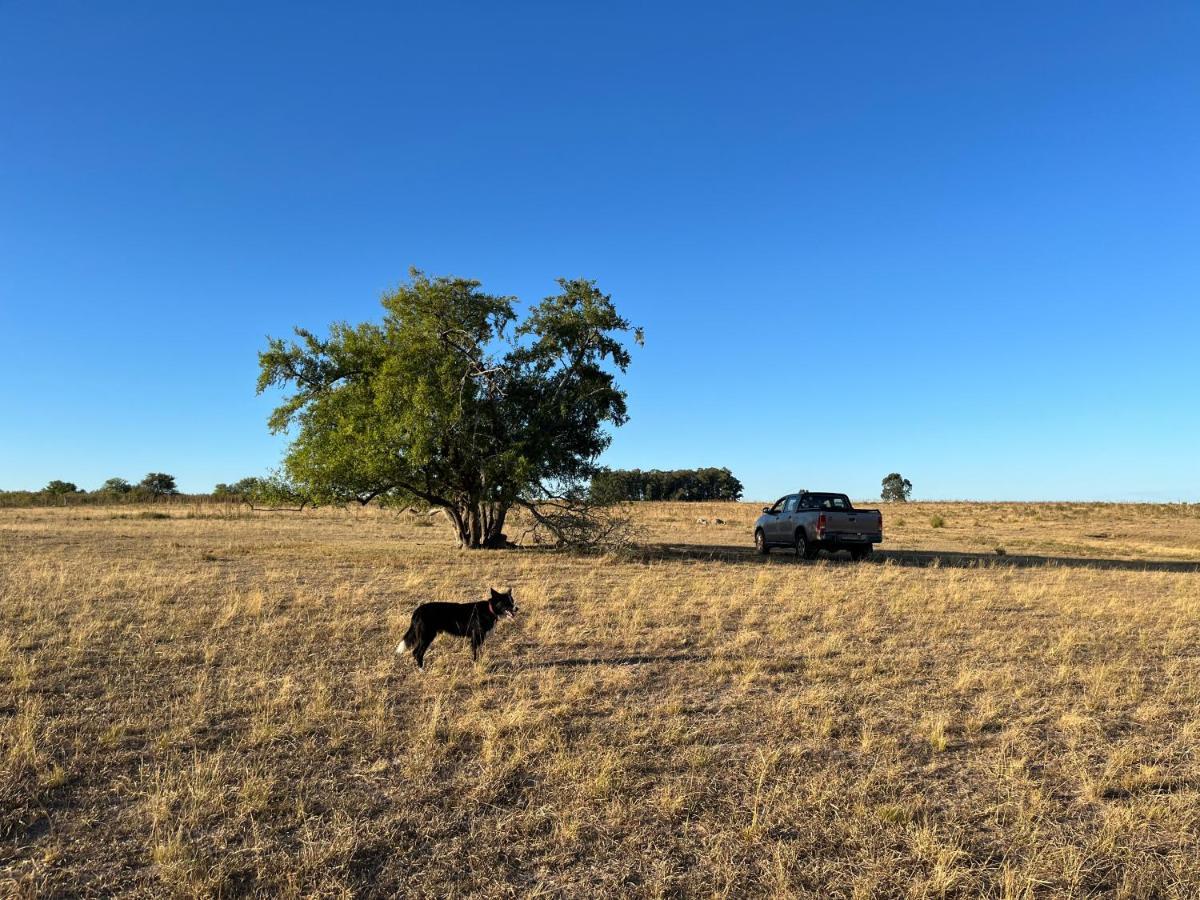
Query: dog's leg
476, 643
419, 652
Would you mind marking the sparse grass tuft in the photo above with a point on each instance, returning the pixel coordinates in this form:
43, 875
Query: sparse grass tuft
938, 739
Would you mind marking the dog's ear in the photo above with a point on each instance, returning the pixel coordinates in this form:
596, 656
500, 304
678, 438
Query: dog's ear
496, 595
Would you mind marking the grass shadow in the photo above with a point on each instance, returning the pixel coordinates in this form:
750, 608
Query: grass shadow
577, 662
918, 559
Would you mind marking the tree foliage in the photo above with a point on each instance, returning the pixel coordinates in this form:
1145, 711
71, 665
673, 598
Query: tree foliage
896, 488
453, 403
273, 491
675, 484
159, 484
58, 486
116, 486
242, 488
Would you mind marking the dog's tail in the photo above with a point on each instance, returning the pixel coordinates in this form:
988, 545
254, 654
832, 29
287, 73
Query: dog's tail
410, 638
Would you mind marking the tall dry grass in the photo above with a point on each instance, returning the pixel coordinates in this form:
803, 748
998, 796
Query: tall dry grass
208, 705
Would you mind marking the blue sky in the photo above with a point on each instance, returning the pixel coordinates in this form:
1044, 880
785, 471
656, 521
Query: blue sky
961, 241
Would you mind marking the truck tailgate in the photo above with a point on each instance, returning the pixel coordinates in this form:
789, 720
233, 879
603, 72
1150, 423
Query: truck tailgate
858, 524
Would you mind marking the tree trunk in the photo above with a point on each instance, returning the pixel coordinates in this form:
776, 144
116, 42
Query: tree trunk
480, 526
476, 530
461, 528
493, 535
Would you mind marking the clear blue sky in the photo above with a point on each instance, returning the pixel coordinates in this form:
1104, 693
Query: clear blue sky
957, 240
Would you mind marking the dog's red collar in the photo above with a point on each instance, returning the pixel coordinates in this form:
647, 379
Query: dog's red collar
492, 611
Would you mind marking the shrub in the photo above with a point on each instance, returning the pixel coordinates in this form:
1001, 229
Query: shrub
937, 522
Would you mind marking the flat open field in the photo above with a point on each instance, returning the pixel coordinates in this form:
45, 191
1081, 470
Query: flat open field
208, 704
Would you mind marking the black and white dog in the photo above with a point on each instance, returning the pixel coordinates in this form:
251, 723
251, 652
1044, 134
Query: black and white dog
473, 620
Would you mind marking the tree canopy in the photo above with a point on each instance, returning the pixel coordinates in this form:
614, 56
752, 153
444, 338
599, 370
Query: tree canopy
675, 484
272, 491
116, 486
159, 484
451, 402
896, 488
243, 487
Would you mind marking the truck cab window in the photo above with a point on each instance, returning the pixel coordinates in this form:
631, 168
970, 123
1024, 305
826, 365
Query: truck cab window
790, 505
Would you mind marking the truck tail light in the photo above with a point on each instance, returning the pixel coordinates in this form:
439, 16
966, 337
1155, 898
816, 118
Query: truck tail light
821, 523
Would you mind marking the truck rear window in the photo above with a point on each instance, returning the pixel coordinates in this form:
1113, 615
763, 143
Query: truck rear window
827, 501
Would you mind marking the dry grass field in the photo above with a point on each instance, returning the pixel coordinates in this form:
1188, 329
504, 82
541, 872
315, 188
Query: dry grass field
207, 704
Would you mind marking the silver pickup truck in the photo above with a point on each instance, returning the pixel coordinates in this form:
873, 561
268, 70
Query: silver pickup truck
810, 522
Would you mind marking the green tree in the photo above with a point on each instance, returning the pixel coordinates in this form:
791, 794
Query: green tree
246, 485
159, 484
116, 486
615, 485
60, 487
896, 489
243, 488
450, 402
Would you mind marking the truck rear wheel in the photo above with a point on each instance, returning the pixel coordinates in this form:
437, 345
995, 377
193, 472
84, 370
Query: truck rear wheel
804, 547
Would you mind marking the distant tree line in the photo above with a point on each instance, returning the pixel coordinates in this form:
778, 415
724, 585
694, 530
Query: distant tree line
268, 491
615, 485
155, 486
